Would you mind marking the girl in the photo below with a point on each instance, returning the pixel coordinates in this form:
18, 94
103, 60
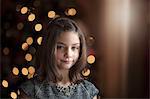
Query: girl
62, 57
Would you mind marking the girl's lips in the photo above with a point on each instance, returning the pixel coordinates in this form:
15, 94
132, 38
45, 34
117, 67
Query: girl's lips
67, 61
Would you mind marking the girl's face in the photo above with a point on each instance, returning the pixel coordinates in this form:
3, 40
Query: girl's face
67, 51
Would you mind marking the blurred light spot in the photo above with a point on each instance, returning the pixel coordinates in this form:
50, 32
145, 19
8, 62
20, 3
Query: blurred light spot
15, 71
51, 14
31, 70
28, 57
6, 51
25, 46
31, 17
18, 7
13, 95
24, 10
39, 40
20, 26
90, 59
71, 12
29, 40
5, 83
38, 27
86, 72
24, 71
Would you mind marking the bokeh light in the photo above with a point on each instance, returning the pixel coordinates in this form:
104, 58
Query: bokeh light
28, 57
71, 11
38, 27
29, 40
51, 14
86, 72
5, 83
31, 70
20, 26
15, 71
39, 40
24, 10
24, 71
13, 95
31, 17
6, 51
25, 46
91, 59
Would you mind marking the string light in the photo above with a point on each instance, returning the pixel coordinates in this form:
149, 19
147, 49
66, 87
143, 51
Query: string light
90, 59
13, 95
31, 70
28, 57
38, 27
5, 83
25, 46
51, 14
24, 71
39, 40
15, 71
71, 12
31, 17
86, 72
6, 51
29, 40
24, 10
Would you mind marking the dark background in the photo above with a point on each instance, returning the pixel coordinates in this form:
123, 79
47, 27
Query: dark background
120, 42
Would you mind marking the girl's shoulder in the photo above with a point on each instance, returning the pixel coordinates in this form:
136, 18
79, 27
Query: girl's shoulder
89, 87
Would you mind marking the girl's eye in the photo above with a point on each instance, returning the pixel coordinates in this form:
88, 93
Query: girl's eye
60, 47
75, 48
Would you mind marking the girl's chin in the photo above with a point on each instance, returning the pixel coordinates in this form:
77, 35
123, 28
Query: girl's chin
65, 67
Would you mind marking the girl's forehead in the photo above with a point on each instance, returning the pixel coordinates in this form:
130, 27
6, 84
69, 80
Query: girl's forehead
70, 37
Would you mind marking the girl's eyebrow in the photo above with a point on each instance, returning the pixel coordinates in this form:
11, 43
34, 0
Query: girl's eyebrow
66, 44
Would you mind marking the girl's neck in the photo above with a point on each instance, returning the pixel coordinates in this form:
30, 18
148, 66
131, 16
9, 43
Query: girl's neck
65, 76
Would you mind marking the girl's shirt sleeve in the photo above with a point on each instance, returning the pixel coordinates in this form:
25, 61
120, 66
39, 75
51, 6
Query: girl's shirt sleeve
91, 89
28, 88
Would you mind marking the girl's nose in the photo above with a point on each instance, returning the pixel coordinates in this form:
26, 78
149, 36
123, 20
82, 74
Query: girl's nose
68, 52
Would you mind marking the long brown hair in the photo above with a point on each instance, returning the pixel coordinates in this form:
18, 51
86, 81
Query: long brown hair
45, 56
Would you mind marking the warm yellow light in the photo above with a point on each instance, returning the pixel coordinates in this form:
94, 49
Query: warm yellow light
5, 83
24, 46
15, 71
28, 57
31, 17
39, 40
13, 95
38, 27
31, 70
29, 40
51, 14
6, 51
72, 11
24, 10
20, 26
86, 72
24, 71
90, 59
